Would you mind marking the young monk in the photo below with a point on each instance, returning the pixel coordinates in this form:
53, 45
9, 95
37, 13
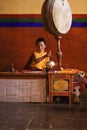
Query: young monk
39, 58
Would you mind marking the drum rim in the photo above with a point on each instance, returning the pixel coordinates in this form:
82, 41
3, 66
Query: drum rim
50, 27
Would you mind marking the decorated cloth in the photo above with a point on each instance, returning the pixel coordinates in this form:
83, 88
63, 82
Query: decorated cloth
80, 79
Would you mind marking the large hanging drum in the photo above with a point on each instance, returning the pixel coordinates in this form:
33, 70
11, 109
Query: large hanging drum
57, 16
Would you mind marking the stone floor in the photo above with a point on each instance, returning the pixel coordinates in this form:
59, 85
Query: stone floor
39, 116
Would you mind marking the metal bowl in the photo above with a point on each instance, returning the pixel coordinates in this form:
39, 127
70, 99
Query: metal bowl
50, 64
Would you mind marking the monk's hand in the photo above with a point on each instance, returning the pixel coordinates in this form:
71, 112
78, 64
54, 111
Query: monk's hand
49, 53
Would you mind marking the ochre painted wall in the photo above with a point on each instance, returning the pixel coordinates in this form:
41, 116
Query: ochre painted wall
78, 6
34, 7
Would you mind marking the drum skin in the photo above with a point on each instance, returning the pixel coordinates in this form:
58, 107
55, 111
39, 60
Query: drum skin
56, 16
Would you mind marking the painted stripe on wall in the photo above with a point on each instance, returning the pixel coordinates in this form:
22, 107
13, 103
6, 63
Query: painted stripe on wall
22, 24
36, 20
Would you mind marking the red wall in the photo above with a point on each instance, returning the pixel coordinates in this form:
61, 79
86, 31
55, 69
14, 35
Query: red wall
16, 45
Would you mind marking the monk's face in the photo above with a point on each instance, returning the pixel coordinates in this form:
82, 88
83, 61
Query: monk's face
41, 46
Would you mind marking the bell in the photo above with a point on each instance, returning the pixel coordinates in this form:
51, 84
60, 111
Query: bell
50, 64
